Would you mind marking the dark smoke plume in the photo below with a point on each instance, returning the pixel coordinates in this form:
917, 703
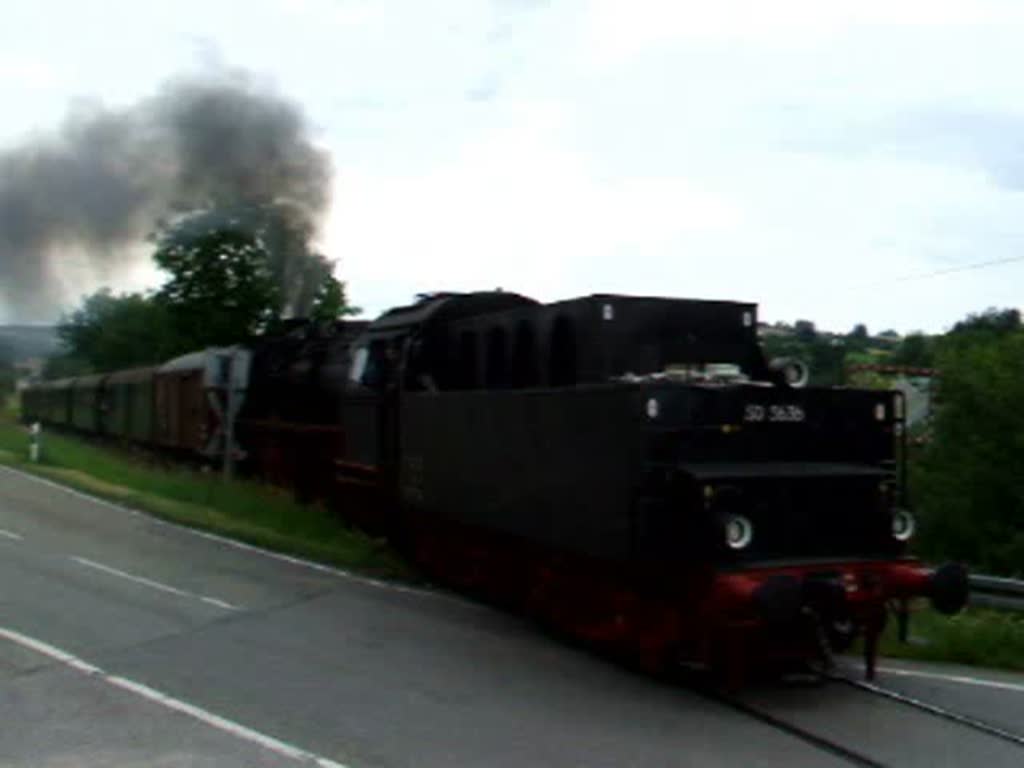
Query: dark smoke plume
93, 191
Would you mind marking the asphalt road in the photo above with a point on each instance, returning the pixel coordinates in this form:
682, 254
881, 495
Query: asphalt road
127, 641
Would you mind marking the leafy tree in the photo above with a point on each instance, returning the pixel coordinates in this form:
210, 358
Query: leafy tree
805, 331
916, 350
65, 366
111, 332
858, 339
971, 476
992, 320
234, 271
330, 302
220, 288
827, 358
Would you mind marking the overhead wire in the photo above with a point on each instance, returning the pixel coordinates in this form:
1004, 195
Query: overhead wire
940, 272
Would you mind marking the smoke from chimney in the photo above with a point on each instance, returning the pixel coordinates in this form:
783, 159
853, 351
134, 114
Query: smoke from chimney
92, 192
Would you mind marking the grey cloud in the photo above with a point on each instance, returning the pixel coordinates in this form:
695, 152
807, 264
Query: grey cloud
107, 176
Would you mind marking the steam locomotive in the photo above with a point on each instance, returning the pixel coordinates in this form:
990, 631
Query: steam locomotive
630, 470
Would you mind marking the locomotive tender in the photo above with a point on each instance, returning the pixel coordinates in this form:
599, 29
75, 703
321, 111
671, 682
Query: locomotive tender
631, 470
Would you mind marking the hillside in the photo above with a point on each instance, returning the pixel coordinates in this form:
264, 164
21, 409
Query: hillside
25, 342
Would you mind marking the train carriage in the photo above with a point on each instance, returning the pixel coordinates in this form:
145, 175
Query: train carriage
32, 404
55, 402
129, 398
87, 404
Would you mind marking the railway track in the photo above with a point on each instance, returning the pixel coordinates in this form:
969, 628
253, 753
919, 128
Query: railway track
823, 743
932, 709
840, 728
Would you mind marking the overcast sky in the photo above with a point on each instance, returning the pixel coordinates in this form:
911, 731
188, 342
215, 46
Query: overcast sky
814, 157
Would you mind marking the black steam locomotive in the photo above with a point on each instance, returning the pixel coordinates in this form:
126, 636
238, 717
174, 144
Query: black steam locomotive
630, 470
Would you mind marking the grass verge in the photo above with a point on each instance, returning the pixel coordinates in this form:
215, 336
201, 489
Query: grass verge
977, 636
257, 514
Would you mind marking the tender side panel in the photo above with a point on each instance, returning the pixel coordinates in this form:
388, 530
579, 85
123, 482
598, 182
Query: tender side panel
557, 467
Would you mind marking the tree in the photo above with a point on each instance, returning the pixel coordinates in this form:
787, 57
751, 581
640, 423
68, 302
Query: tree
220, 288
858, 339
65, 366
805, 331
111, 332
992, 321
330, 302
234, 271
971, 476
915, 350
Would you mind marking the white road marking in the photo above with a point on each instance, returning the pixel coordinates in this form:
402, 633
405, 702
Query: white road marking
962, 679
204, 716
48, 650
153, 584
219, 603
71, 491
299, 561
11, 535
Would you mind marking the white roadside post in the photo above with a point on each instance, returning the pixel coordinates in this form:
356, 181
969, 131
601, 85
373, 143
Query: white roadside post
34, 445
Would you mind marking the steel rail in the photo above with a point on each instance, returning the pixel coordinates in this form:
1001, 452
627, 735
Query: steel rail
809, 737
932, 709
695, 683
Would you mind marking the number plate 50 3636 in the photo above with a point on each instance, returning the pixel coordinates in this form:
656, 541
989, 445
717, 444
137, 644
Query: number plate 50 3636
780, 413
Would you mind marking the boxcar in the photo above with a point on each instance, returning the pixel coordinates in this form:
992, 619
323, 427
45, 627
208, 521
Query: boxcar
31, 404
55, 405
128, 405
180, 404
87, 403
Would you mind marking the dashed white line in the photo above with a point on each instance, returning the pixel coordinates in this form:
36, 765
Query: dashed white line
235, 544
219, 603
237, 730
152, 584
961, 679
11, 535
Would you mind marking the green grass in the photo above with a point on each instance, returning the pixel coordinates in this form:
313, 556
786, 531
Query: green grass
977, 637
247, 511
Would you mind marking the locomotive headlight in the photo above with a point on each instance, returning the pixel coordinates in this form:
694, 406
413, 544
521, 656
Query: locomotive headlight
903, 525
739, 532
